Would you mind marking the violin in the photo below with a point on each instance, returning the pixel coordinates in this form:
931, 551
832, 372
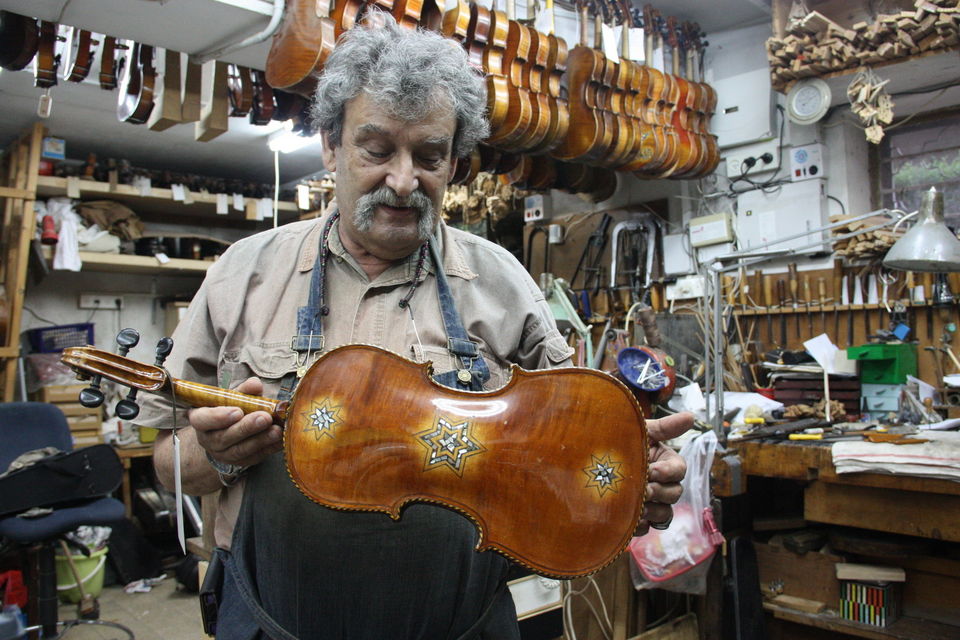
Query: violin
263, 105
508, 83
455, 22
302, 44
239, 90
586, 130
79, 51
19, 40
47, 60
645, 149
551, 468
708, 103
137, 83
556, 66
616, 82
110, 66
688, 154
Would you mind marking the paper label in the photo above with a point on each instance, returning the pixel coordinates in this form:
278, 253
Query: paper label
143, 185
162, 258
635, 38
222, 204
187, 196
178, 491
543, 22
176, 191
238, 203
73, 187
610, 48
303, 196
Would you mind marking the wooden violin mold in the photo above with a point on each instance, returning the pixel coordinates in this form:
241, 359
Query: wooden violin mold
551, 468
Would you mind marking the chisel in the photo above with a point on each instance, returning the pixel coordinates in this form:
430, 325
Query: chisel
782, 297
794, 293
806, 303
822, 292
837, 295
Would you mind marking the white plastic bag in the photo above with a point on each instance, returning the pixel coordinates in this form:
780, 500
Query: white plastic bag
677, 558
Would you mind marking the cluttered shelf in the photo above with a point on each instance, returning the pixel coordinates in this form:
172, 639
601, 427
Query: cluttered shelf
154, 200
129, 264
905, 628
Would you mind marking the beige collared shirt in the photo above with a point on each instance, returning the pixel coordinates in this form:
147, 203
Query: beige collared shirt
242, 320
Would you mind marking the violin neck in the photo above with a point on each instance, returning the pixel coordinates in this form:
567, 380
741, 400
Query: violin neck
195, 394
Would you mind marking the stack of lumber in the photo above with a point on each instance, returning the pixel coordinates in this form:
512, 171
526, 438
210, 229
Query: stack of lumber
867, 245
815, 45
85, 422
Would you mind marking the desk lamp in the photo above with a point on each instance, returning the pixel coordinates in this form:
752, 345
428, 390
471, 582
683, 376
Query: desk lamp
929, 245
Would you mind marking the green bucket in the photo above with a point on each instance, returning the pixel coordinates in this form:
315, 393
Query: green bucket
90, 571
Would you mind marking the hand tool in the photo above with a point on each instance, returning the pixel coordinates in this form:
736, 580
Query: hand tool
851, 289
794, 292
806, 303
929, 300
822, 292
935, 354
782, 297
837, 291
865, 284
768, 303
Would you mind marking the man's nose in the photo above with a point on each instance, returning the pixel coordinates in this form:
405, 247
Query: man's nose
402, 175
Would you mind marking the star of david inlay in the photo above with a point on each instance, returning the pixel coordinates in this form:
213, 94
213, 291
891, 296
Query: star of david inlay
604, 474
322, 418
448, 445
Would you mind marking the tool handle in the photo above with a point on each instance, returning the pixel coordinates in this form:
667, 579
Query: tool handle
794, 284
822, 290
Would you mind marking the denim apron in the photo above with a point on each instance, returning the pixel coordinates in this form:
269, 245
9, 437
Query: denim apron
323, 573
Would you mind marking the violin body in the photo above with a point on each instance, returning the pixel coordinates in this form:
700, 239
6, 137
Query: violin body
19, 40
301, 46
537, 483
551, 468
47, 61
137, 83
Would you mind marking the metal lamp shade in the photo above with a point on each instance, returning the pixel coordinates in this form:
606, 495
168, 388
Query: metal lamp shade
929, 245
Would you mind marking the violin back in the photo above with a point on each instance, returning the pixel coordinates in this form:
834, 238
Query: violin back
551, 468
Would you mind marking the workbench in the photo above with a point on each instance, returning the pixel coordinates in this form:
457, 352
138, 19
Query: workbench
896, 504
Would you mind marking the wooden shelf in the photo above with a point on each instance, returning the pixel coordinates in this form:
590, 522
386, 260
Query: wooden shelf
127, 264
159, 201
905, 628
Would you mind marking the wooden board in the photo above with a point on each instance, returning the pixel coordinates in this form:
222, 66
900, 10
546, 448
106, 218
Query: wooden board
810, 576
895, 511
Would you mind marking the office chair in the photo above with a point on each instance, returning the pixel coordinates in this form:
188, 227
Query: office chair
27, 426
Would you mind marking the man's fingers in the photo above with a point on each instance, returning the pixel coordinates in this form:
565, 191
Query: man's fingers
252, 386
656, 513
213, 418
666, 465
669, 427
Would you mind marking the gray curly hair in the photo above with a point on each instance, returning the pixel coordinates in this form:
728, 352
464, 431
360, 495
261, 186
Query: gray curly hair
409, 73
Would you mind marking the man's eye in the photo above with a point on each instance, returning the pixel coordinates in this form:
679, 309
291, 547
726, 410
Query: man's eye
377, 154
431, 160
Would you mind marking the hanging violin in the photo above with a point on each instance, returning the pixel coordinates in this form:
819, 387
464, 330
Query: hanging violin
551, 467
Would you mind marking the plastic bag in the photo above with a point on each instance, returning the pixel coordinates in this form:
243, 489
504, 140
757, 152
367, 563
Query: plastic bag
677, 559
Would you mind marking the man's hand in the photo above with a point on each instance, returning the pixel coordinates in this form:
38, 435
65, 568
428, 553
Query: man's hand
664, 472
233, 438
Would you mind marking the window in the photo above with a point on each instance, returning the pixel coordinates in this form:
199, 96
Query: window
918, 156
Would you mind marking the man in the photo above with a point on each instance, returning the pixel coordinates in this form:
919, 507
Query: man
394, 108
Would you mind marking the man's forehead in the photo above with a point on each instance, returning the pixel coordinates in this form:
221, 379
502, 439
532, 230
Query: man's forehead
367, 116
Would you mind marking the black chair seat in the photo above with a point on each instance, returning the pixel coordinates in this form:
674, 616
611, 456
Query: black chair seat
102, 511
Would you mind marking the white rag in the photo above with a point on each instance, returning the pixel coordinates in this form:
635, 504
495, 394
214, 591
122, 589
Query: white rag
939, 458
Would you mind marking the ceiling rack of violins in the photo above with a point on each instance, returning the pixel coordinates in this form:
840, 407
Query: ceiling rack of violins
155, 87
560, 118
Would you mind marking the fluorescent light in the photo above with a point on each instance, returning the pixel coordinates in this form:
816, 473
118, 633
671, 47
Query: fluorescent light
287, 141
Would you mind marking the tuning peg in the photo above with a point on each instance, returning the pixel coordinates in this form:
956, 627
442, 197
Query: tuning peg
127, 339
92, 396
164, 347
127, 409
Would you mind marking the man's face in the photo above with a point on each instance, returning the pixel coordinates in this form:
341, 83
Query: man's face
391, 176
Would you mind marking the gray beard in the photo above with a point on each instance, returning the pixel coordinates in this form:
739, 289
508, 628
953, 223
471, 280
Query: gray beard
367, 204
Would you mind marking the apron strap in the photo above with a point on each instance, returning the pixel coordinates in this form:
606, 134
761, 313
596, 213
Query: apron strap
472, 372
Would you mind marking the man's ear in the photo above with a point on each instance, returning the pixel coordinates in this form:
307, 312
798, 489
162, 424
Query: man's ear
329, 157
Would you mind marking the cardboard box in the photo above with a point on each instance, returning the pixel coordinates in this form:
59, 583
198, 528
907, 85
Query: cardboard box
60, 393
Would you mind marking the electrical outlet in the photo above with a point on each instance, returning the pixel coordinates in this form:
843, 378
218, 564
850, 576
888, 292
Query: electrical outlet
100, 301
764, 156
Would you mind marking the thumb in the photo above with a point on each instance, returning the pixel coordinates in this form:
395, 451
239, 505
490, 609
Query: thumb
669, 427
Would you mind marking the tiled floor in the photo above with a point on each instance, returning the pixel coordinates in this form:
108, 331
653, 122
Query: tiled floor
165, 613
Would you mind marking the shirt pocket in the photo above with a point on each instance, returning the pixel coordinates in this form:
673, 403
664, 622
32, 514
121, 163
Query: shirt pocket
267, 361
558, 350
